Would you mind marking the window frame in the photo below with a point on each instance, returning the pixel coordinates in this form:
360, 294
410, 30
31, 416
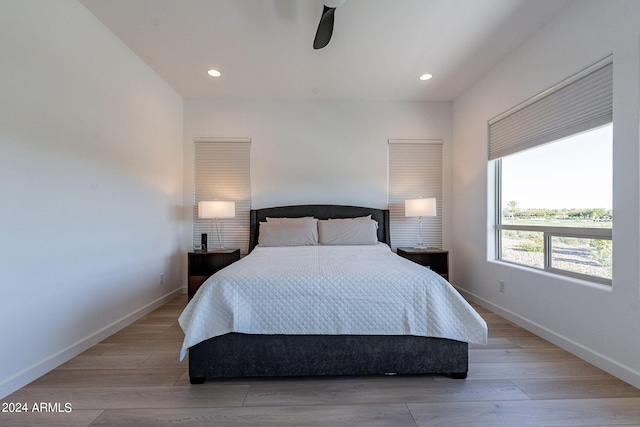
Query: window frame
580, 103
548, 233
222, 171
414, 169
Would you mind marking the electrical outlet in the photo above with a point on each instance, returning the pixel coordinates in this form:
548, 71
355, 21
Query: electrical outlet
502, 286
162, 278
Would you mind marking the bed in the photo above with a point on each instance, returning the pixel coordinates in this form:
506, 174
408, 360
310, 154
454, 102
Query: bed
244, 336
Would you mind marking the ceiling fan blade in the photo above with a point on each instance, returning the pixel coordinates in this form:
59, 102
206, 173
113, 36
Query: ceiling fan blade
325, 28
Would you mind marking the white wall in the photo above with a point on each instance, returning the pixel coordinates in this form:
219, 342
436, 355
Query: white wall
595, 322
90, 188
312, 151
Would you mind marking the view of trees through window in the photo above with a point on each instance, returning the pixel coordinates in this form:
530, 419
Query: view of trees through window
553, 188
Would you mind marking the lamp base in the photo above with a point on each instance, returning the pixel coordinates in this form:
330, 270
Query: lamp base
423, 247
203, 242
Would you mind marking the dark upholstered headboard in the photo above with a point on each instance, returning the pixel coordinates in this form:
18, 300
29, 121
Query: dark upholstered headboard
320, 212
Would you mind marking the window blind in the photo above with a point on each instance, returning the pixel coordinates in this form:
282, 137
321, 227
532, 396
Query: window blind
580, 103
222, 172
414, 171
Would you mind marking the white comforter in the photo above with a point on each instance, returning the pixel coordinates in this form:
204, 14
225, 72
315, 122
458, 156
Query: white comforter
329, 290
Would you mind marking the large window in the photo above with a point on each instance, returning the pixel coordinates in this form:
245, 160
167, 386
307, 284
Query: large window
554, 178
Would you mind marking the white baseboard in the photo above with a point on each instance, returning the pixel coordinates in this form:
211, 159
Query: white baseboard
38, 369
611, 366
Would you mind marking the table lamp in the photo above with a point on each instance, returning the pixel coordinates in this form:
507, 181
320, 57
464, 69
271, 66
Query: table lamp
215, 210
420, 208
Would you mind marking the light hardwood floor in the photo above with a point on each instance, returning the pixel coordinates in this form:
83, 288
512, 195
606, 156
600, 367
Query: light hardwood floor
134, 378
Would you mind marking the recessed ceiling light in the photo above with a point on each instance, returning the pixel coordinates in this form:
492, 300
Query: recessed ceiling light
426, 76
214, 73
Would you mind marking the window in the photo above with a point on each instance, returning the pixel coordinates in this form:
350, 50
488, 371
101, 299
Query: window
222, 173
414, 170
553, 159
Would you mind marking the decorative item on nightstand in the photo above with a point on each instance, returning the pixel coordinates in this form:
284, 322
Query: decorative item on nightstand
420, 208
215, 210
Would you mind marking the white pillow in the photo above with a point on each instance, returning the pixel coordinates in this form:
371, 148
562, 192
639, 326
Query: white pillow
301, 233
360, 218
348, 231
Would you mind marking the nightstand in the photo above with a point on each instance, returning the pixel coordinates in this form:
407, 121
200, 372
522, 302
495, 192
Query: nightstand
203, 264
436, 259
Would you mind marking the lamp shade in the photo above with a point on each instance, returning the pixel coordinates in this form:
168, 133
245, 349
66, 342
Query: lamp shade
420, 207
216, 209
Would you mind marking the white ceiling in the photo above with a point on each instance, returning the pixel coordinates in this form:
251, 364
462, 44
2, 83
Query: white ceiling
379, 47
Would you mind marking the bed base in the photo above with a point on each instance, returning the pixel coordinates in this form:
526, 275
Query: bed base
242, 355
